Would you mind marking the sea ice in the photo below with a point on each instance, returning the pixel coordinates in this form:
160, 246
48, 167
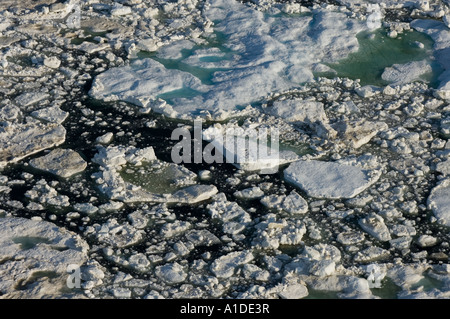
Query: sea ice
399, 74
439, 201
171, 273
112, 184
247, 150
330, 179
261, 54
33, 250
439, 32
21, 140
292, 203
51, 114
225, 266
61, 162
374, 225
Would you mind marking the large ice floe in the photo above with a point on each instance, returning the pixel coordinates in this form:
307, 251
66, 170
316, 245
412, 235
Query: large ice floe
34, 256
331, 180
21, 140
259, 54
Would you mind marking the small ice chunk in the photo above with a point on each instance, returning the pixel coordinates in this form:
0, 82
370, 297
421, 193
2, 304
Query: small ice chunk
225, 266
350, 238
443, 167
22, 140
401, 242
204, 175
399, 74
52, 62
367, 91
293, 203
299, 111
249, 193
374, 225
30, 98
177, 227
117, 235
120, 10
426, 241
172, 273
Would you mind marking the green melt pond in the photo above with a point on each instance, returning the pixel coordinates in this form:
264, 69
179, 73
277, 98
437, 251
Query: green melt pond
378, 51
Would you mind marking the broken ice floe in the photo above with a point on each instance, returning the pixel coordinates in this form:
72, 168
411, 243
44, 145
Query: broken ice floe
113, 160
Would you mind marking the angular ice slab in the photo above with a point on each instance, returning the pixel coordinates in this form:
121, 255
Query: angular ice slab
330, 179
258, 54
61, 162
21, 140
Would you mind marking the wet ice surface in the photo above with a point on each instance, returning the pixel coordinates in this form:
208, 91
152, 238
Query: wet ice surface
260, 54
92, 182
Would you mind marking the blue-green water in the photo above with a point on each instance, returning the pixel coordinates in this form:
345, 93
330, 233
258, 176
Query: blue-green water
378, 51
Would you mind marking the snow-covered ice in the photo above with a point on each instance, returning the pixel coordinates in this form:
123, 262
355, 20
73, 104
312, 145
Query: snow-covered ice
269, 54
61, 162
322, 179
439, 201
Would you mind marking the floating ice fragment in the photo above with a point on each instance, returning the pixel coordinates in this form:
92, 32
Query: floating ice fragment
329, 179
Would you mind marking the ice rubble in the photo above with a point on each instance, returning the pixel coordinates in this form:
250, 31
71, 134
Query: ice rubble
225, 266
269, 54
399, 74
292, 203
